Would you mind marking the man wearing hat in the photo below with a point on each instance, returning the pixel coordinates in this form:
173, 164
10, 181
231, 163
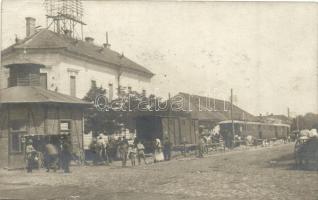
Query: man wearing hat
123, 150
66, 156
30, 154
167, 149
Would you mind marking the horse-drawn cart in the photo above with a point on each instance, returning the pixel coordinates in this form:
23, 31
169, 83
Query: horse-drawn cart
306, 152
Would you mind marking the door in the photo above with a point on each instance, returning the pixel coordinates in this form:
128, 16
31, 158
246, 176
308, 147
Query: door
43, 80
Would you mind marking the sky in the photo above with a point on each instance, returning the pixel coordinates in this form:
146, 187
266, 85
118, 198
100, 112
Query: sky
266, 51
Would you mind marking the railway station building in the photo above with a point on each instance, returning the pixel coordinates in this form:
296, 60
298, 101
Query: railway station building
72, 65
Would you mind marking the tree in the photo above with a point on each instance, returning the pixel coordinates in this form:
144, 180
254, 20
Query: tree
308, 121
95, 121
114, 114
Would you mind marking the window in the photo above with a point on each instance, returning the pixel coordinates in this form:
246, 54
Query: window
17, 126
17, 130
73, 86
65, 127
93, 83
15, 143
43, 80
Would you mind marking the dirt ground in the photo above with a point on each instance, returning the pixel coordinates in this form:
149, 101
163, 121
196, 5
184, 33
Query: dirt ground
257, 173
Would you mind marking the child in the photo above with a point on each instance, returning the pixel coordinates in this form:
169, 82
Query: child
141, 152
132, 154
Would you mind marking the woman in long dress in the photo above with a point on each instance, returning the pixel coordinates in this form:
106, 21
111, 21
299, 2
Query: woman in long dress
158, 154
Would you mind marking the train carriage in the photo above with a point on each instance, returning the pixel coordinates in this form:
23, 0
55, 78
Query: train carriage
179, 128
258, 130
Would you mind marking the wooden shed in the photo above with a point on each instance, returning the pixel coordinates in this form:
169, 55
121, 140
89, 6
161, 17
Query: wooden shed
30, 111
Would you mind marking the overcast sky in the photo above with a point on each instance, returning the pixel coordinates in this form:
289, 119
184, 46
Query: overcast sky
266, 52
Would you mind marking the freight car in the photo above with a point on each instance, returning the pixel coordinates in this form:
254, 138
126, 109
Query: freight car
258, 130
180, 130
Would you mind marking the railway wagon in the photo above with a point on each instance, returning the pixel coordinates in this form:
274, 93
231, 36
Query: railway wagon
179, 130
258, 130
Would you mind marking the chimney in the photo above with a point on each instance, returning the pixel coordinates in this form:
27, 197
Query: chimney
30, 26
89, 40
106, 45
17, 40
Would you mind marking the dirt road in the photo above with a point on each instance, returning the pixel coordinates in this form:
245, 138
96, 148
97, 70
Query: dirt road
262, 173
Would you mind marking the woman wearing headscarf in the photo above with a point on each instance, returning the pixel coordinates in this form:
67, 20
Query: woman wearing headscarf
158, 154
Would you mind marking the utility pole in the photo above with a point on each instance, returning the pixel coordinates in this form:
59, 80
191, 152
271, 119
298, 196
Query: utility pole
118, 82
169, 115
233, 129
119, 73
288, 112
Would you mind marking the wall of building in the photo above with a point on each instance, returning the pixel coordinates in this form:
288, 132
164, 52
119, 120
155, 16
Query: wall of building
136, 82
85, 73
103, 75
59, 68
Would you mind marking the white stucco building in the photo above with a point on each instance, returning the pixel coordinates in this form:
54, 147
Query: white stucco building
72, 65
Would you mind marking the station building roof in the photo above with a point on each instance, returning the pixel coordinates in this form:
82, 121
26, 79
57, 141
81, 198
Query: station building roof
36, 94
47, 39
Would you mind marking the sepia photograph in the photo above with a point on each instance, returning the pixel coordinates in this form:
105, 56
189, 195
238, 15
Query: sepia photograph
154, 100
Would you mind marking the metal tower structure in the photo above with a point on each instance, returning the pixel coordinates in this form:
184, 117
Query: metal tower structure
65, 17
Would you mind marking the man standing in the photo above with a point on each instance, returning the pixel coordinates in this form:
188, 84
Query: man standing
66, 157
110, 150
30, 151
101, 149
201, 147
123, 150
167, 149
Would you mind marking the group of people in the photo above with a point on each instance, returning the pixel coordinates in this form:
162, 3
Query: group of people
106, 150
132, 151
54, 156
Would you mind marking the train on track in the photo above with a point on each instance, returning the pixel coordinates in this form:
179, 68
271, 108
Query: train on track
258, 130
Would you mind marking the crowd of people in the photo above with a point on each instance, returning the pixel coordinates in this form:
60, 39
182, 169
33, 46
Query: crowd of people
106, 150
55, 156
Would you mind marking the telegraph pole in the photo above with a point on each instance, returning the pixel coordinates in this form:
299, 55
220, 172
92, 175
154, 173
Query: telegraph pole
288, 112
169, 107
233, 129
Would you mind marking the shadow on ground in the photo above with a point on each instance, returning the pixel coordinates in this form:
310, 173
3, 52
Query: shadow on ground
288, 162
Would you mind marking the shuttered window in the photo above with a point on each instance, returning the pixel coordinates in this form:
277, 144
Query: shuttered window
73, 86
